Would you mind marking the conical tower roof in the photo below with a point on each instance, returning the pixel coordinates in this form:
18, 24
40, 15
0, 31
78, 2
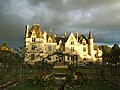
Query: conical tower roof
90, 35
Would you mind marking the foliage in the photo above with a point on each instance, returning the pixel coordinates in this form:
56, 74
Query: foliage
50, 81
7, 53
115, 46
115, 54
106, 52
44, 80
105, 48
111, 55
38, 79
9, 60
69, 81
72, 68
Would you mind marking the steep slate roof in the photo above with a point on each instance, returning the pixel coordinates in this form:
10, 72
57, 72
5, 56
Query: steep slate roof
82, 36
63, 39
37, 30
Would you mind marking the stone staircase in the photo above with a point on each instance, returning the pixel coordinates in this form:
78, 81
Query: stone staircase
60, 70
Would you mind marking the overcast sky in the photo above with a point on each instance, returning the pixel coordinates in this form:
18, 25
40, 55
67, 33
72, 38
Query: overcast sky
102, 17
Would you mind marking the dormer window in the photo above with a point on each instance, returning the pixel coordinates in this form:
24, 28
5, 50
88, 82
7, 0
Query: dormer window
33, 34
50, 40
84, 49
72, 42
84, 42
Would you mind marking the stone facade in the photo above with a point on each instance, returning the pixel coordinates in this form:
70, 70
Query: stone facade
39, 45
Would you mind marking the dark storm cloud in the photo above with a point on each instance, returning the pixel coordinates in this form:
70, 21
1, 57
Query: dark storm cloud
11, 25
102, 17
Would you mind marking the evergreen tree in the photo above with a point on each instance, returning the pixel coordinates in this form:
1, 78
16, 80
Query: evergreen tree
115, 54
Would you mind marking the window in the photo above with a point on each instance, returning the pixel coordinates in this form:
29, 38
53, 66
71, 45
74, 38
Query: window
49, 48
49, 40
72, 57
68, 58
49, 58
84, 49
33, 47
32, 56
84, 43
84, 59
72, 42
33, 39
72, 48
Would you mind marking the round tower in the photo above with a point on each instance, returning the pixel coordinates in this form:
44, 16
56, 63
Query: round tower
90, 44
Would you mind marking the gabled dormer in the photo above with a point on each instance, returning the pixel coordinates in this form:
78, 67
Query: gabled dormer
51, 38
71, 40
82, 39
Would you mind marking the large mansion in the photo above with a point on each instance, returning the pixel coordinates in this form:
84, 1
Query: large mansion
42, 45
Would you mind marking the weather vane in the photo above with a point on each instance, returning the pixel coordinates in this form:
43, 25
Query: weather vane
36, 20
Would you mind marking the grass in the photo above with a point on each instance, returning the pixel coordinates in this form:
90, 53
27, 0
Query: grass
115, 78
25, 86
8, 75
86, 70
94, 85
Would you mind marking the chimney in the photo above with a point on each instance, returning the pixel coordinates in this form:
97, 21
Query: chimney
77, 36
63, 43
27, 30
65, 34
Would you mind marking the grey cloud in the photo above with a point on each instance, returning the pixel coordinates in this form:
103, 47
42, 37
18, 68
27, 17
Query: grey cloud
102, 17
